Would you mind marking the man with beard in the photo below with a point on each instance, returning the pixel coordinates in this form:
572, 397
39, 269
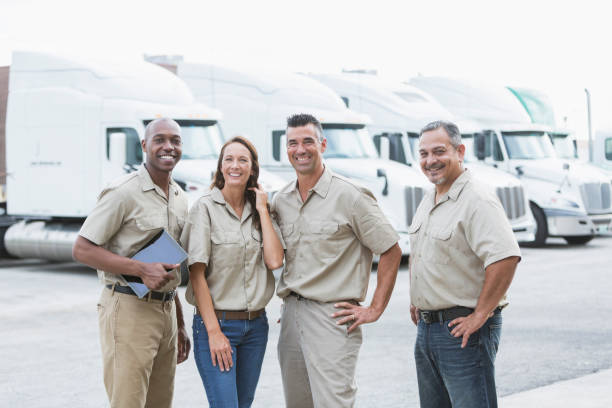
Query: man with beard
462, 261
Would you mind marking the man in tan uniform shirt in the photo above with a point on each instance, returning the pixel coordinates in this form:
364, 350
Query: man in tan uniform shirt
139, 337
463, 257
331, 227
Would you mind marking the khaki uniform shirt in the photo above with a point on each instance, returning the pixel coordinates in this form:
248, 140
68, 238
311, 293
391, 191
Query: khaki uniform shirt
330, 239
232, 249
129, 212
452, 243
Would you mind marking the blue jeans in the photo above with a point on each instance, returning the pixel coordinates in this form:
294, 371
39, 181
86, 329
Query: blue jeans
234, 388
450, 376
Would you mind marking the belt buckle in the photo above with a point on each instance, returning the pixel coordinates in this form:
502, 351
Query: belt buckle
168, 295
427, 317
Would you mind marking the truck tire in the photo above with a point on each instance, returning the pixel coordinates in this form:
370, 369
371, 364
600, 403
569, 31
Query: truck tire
578, 240
541, 232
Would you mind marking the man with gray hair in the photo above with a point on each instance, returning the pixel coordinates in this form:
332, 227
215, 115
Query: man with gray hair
462, 261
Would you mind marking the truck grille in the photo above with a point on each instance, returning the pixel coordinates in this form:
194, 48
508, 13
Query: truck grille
414, 195
513, 201
596, 197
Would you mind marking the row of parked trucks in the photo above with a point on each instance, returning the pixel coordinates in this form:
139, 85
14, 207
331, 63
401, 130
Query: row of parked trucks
71, 126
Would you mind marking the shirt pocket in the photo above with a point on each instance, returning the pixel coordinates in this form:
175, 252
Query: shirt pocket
413, 234
150, 222
227, 247
440, 249
256, 237
325, 239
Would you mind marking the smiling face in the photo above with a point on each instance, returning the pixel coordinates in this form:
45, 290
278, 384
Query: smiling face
305, 150
440, 161
236, 165
162, 145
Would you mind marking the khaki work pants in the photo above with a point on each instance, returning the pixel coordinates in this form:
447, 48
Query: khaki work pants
317, 357
139, 350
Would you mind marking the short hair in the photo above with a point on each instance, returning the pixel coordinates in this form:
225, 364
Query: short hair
303, 119
451, 130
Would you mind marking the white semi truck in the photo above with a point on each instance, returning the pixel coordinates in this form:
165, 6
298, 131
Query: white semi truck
72, 126
602, 149
256, 104
398, 112
540, 110
568, 200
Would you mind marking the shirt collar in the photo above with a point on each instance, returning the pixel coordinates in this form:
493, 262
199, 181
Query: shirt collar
322, 186
458, 185
217, 195
148, 184
145, 179
218, 198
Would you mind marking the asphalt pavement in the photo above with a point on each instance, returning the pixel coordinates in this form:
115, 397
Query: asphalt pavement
555, 348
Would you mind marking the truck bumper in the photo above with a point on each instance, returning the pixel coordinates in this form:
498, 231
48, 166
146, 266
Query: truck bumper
563, 223
524, 229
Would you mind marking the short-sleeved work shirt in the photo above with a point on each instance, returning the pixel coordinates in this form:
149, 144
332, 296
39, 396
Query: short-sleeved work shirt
130, 211
452, 243
232, 249
330, 238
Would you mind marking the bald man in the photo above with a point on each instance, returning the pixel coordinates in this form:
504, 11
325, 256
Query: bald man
142, 339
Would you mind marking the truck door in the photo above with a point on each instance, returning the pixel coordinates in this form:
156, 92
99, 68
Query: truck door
123, 152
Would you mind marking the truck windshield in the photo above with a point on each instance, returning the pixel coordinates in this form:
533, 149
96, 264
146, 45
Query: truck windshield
353, 143
564, 146
201, 141
528, 145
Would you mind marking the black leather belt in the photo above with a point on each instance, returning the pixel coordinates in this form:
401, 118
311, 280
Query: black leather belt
435, 316
163, 296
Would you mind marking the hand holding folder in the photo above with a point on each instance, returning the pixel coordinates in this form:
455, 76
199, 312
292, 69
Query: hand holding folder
161, 249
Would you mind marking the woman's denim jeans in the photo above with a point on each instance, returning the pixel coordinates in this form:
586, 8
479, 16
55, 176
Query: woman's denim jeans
451, 376
234, 388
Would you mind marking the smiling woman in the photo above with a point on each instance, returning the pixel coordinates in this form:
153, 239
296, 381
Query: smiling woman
233, 245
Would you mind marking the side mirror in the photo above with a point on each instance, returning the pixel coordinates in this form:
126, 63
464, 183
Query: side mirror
480, 144
383, 173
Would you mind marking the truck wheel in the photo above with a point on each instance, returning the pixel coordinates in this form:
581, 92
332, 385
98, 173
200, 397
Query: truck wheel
541, 232
579, 240
184, 274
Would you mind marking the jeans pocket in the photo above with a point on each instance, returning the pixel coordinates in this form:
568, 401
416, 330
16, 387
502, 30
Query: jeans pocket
473, 340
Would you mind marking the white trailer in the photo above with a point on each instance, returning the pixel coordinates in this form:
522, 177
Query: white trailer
568, 200
256, 104
72, 126
399, 111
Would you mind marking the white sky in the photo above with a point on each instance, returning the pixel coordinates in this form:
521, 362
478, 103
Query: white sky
556, 46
